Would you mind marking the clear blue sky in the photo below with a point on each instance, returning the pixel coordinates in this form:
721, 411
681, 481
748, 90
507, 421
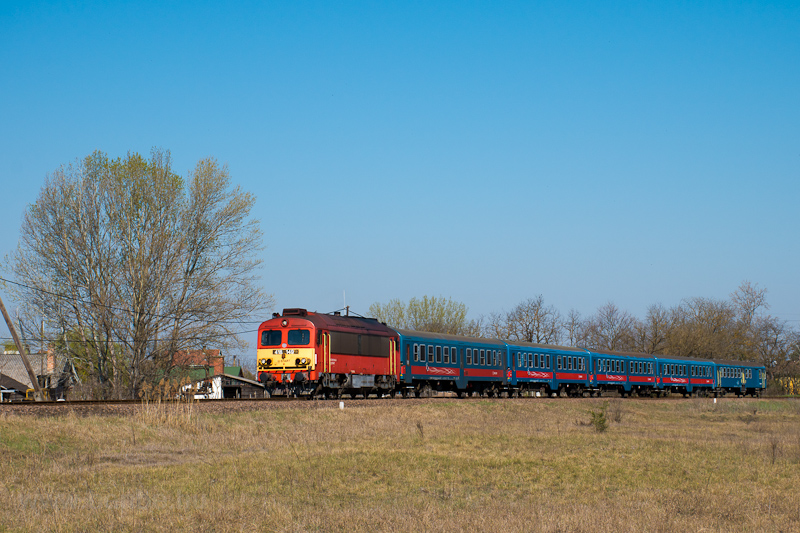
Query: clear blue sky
634, 152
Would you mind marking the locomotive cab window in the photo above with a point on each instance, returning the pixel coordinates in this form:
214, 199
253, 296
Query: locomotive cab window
298, 337
271, 338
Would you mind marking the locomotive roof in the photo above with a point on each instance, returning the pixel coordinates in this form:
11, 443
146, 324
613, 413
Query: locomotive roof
339, 323
346, 323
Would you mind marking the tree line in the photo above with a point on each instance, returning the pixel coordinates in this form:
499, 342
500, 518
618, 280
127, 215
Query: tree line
737, 328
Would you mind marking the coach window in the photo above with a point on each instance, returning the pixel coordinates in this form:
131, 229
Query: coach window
271, 338
497, 358
438, 354
558, 362
430, 353
469, 356
447, 355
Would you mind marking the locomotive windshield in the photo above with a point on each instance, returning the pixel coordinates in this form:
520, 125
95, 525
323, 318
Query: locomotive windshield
271, 338
299, 337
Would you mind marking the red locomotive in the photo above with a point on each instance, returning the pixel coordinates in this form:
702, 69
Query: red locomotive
301, 352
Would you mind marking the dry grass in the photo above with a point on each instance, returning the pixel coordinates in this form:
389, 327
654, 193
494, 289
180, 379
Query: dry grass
483, 465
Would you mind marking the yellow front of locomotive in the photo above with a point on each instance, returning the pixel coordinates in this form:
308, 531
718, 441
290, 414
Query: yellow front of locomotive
286, 351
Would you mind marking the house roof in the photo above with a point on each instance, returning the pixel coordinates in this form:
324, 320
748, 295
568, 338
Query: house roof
234, 371
13, 372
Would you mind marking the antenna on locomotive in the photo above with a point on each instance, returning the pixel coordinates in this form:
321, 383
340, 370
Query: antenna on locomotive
344, 299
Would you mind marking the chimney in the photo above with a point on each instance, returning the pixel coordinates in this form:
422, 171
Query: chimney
51, 361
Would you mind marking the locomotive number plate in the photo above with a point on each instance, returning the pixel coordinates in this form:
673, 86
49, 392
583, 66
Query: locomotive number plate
287, 352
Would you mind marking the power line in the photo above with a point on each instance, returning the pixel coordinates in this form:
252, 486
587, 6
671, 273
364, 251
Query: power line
195, 338
113, 308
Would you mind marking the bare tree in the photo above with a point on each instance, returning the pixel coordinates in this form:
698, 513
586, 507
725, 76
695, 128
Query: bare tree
530, 321
652, 332
704, 327
132, 263
533, 321
575, 328
747, 300
611, 328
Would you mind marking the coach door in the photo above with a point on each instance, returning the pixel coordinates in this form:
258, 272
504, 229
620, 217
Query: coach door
462, 380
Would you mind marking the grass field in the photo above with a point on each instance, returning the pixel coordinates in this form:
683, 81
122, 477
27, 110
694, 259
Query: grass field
447, 465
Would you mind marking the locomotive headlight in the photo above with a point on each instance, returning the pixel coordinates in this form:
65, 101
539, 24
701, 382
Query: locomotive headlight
263, 362
297, 362
303, 361
269, 362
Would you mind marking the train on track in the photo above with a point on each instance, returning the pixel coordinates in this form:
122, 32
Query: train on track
330, 355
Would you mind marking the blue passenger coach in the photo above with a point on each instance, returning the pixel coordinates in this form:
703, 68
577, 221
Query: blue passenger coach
544, 369
438, 362
740, 377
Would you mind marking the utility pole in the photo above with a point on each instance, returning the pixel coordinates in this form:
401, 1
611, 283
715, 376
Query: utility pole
37, 390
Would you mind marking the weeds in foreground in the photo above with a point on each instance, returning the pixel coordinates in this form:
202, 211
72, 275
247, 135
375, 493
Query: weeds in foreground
176, 414
598, 418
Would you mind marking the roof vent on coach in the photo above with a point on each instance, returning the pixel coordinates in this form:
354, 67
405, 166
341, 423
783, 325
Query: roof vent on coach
295, 311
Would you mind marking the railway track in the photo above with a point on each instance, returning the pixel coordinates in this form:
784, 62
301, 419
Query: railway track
129, 407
